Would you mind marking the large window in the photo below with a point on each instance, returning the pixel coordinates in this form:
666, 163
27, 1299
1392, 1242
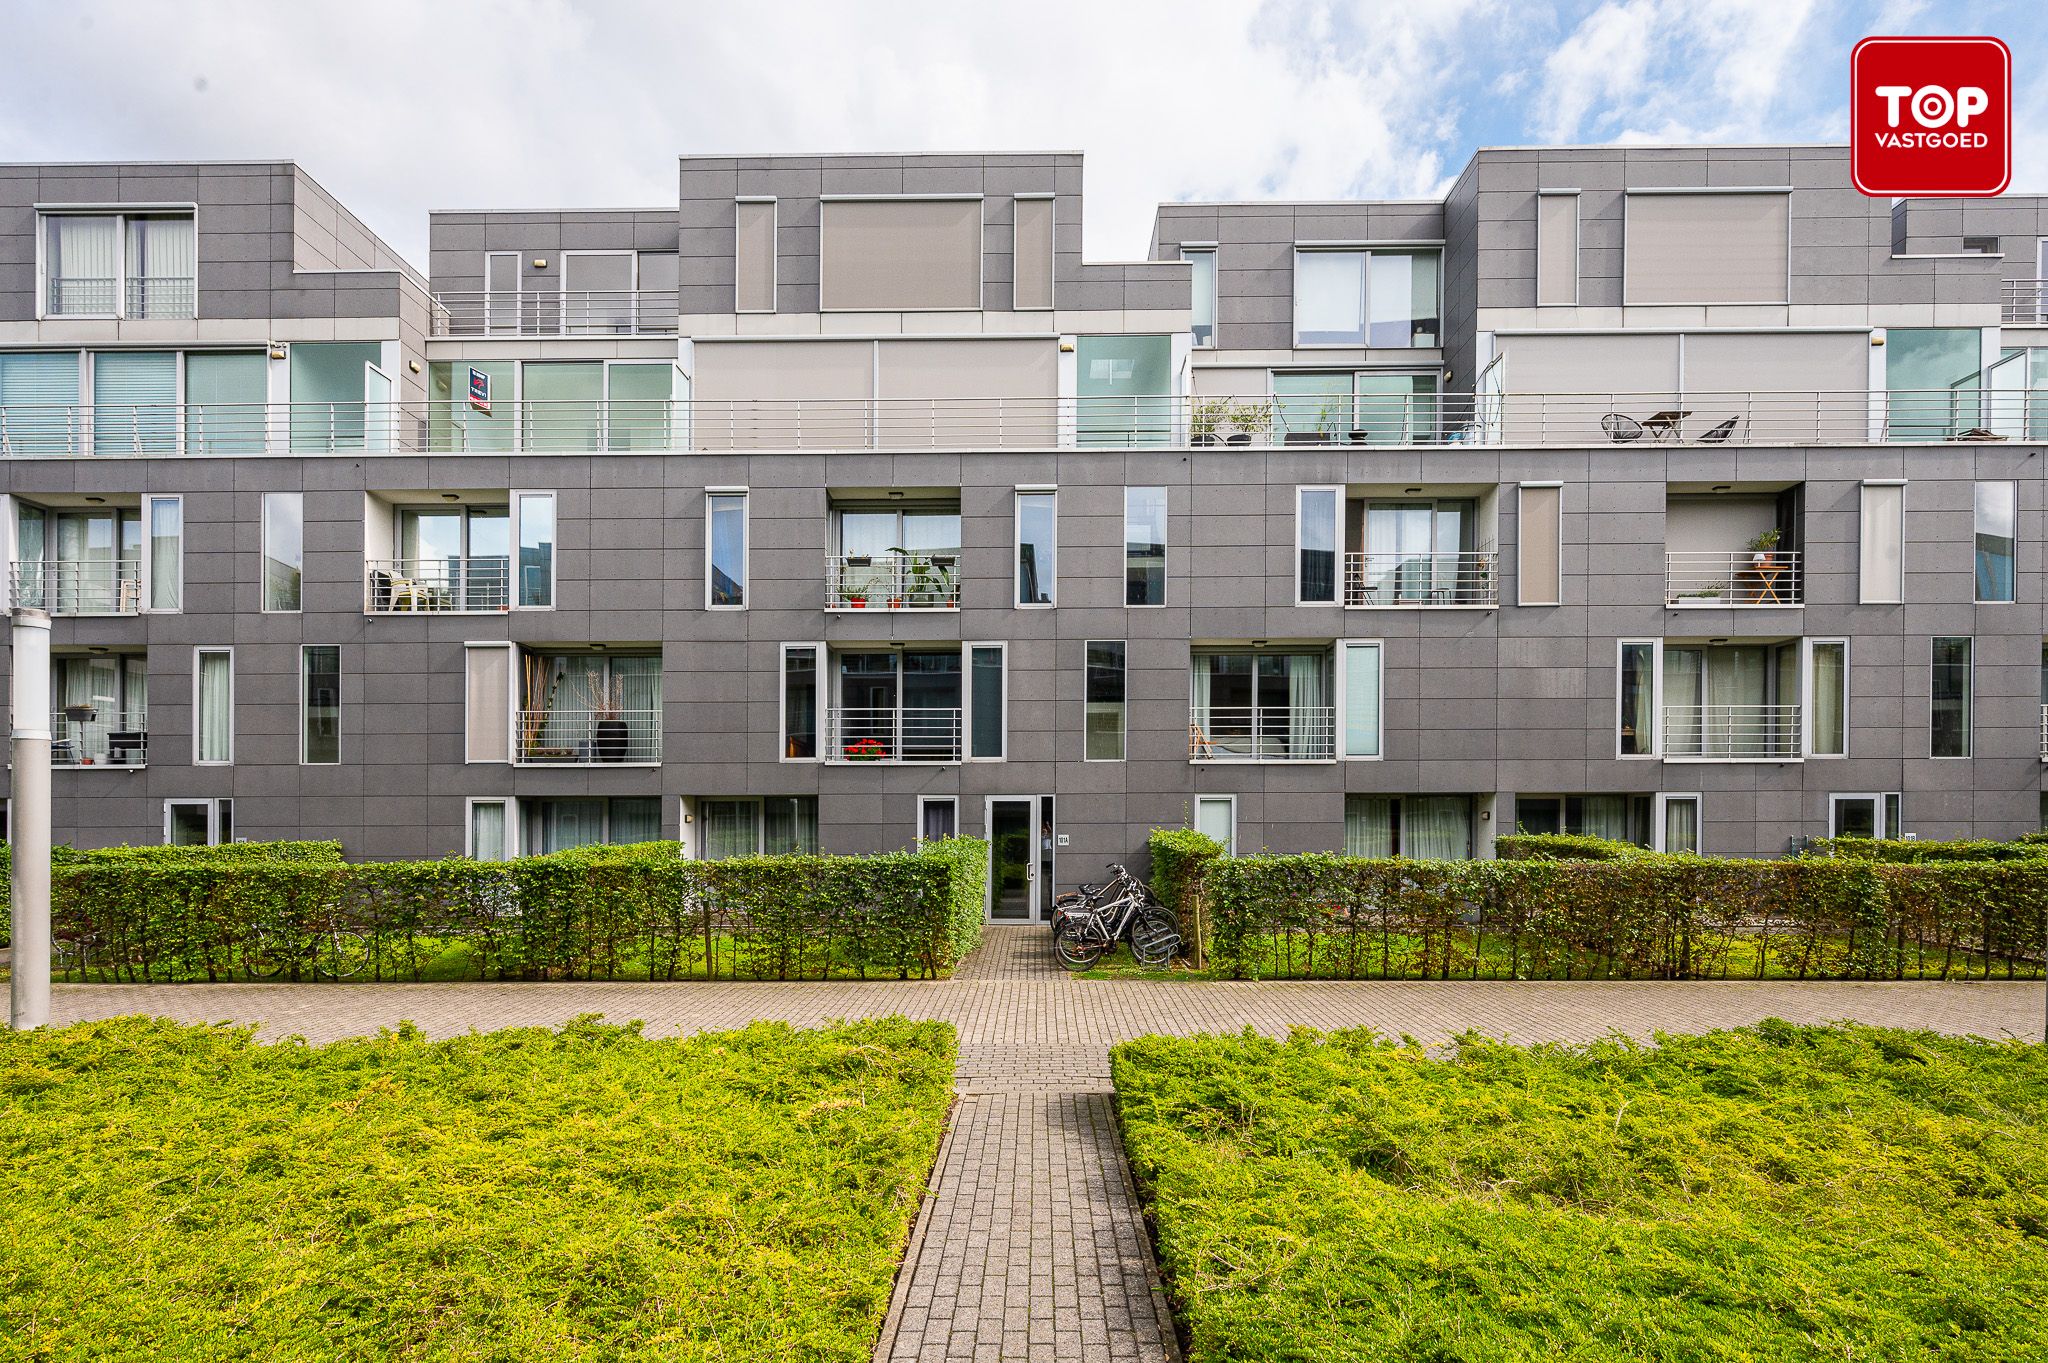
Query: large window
1949, 721
1421, 552
1125, 386
1997, 525
726, 550
134, 402
1358, 407
757, 825
226, 402
1037, 521
199, 823
213, 707
284, 549
912, 705
590, 708
1262, 707
1931, 381
1202, 304
895, 555
1358, 298
334, 384
1622, 818
39, 402
557, 825
1144, 546
100, 704
320, 704
1424, 827
1105, 701
137, 265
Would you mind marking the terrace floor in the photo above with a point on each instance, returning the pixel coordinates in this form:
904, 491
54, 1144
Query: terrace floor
1030, 1244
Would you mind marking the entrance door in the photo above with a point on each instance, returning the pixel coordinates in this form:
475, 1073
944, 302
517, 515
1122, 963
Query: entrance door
1020, 840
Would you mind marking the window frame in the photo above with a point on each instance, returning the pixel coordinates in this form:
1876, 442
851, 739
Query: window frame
1366, 250
711, 496
263, 581
1656, 749
1051, 492
1807, 694
967, 700
1207, 249
199, 651
305, 706
1123, 741
1165, 541
1229, 801
2012, 544
1885, 811
820, 706
510, 804
147, 572
1340, 685
923, 801
1660, 800
214, 808
121, 213
1337, 491
1969, 699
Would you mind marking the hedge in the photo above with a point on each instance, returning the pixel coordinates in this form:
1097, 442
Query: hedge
1563, 847
593, 913
1649, 917
1904, 850
61, 855
1180, 857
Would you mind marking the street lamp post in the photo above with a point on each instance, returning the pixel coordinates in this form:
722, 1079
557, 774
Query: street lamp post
29, 821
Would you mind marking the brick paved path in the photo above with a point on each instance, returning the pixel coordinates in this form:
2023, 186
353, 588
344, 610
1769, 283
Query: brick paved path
1029, 1244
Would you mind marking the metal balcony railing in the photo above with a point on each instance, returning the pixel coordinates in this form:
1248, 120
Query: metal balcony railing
1262, 733
1738, 577
147, 297
437, 586
894, 582
1734, 733
173, 297
909, 734
2044, 733
579, 738
2024, 302
98, 736
1457, 579
79, 586
582, 312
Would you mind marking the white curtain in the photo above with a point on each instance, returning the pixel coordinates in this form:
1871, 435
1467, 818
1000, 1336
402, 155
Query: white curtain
162, 259
1681, 826
1308, 706
166, 551
1201, 702
636, 683
216, 714
82, 263
1368, 826
635, 818
487, 830
1606, 816
1684, 693
1830, 689
790, 825
730, 828
1436, 827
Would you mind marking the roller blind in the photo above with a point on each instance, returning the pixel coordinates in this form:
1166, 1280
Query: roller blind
1557, 250
1786, 387
754, 256
487, 703
1705, 248
1592, 364
1032, 267
773, 394
134, 396
1882, 543
886, 255
991, 391
1539, 529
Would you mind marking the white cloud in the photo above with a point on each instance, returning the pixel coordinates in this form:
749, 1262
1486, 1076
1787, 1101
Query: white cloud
1604, 58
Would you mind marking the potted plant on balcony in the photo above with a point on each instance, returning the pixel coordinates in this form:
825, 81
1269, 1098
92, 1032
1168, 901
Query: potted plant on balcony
1762, 549
608, 732
866, 750
79, 714
1205, 421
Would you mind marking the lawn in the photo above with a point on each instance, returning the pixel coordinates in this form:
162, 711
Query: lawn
172, 1192
1773, 1193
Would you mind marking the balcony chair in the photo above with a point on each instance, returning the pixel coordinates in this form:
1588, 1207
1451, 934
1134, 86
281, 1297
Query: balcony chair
125, 747
1622, 430
1721, 433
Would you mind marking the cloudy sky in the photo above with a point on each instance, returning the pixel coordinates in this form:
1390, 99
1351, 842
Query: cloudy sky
401, 106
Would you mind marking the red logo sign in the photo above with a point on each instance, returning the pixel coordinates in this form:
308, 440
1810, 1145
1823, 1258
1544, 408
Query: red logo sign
1930, 117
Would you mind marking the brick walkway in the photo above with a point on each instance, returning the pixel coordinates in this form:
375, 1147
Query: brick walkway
1029, 1244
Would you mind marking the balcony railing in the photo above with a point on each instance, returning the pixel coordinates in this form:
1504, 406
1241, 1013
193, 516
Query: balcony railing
1262, 733
582, 739
911, 734
2024, 302
79, 586
98, 736
1639, 423
583, 312
437, 586
1734, 733
1457, 579
1737, 577
895, 582
2044, 733
150, 297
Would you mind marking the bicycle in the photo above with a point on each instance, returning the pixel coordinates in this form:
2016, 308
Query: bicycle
1089, 924
336, 954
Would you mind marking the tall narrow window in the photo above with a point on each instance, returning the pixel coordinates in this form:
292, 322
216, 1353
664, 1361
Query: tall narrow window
1216, 816
1315, 533
1202, 304
1677, 828
726, 550
165, 518
284, 549
1883, 543
536, 512
1997, 518
1950, 718
1557, 249
1144, 546
800, 701
320, 704
490, 825
754, 255
938, 816
987, 719
1360, 682
1031, 257
1638, 721
487, 702
1037, 522
213, 717
1828, 723
1539, 530
1105, 701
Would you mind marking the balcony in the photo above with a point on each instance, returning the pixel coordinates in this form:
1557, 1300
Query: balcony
437, 586
89, 736
583, 738
909, 734
1740, 577
144, 298
893, 582
1732, 733
2024, 302
592, 312
79, 586
1282, 733
1453, 579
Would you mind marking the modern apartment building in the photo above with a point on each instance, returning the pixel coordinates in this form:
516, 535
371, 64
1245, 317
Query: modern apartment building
1682, 495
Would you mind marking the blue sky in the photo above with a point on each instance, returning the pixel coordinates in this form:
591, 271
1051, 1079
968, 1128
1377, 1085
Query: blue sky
400, 106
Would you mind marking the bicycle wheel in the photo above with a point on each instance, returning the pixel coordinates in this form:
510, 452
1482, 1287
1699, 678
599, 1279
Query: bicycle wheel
1154, 937
263, 956
344, 954
1075, 947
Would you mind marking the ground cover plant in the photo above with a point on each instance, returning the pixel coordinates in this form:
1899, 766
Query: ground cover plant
1776, 1193
182, 1193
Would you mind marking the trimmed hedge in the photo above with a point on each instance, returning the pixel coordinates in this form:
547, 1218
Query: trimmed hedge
593, 913
1902, 850
62, 855
1649, 917
1180, 857
1563, 847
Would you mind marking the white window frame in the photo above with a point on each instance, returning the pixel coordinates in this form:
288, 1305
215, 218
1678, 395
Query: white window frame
1698, 803
263, 564
303, 760
1522, 594
1976, 530
774, 252
1969, 700
1228, 800
512, 698
1337, 533
1053, 255
967, 699
925, 800
554, 555
121, 213
200, 651
492, 325
212, 804
823, 706
1806, 698
1340, 676
564, 325
746, 546
1165, 545
148, 566
1892, 593
1578, 244
1125, 744
1366, 249
1021, 491
1881, 802
1656, 752
1207, 248
511, 804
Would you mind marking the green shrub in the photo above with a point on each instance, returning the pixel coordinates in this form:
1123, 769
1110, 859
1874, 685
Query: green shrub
1903, 850
61, 855
181, 1193
1180, 858
598, 912
1563, 847
1802, 1195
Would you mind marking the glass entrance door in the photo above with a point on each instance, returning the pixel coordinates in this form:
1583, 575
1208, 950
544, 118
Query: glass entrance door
1013, 860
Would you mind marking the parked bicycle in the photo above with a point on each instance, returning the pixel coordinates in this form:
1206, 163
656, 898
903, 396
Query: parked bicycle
333, 953
1088, 923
